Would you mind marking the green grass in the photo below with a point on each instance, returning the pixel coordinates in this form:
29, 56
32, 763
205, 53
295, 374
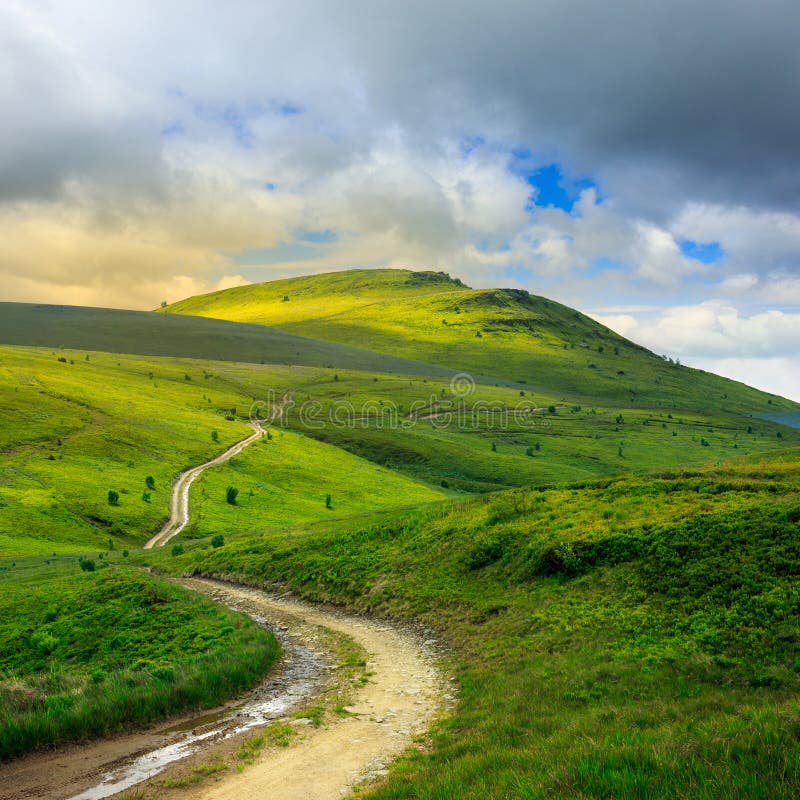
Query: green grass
148, 334
614, 633
73, 430
85, 654
524, 338
630, 638
285, 480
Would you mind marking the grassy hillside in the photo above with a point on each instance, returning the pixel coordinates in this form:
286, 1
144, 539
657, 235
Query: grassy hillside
84, 653
504, 332
631, 638
74, 426
77, 425
147, 334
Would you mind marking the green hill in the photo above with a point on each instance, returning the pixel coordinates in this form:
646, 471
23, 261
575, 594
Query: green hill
508, 333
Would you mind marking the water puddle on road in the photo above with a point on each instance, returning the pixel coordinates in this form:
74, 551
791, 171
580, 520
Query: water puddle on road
303, 672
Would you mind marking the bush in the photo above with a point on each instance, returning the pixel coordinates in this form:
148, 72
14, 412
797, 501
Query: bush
231, 493
214, 436
113, 498
218, 540
177, 549
87, 564
328, 501
150, 482
485, 552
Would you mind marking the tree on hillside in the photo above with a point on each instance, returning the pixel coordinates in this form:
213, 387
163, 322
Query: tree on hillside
113, 498
231, 493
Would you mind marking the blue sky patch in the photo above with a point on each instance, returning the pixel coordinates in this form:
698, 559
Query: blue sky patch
291, 251
173, 129
317, 237
518, 273
704, 252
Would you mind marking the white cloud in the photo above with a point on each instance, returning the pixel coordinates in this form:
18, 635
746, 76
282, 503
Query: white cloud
711, 329
779, 375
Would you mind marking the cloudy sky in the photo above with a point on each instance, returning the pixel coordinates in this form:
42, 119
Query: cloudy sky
639, 160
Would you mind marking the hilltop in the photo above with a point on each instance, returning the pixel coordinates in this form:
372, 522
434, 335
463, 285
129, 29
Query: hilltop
507, 333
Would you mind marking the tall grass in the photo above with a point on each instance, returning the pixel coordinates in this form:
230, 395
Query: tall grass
126, 698
86, 654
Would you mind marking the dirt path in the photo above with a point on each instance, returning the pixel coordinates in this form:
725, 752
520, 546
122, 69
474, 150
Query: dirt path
179, 497
404, 693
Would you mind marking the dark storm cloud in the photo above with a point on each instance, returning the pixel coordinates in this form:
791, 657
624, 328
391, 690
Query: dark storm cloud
662, 102
698, 99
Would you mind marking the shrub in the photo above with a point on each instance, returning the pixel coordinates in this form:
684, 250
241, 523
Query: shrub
218, 540
214, 436
87, 564
113, 497
231, 493
177, 549
485, 552
150, 482
328, 501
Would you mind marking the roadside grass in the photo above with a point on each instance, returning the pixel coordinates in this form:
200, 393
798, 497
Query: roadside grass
626, 638
85, 654
349, 673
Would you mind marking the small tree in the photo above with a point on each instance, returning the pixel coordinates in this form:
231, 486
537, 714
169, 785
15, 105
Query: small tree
528, 451
150, 482
146, 497
218, 540
113, 498
125, 554
177, 549
494, 447
87, 564
214, 436
328, 501
163, 304
231, 493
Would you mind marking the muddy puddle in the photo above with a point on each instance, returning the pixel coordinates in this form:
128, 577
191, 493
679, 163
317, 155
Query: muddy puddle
302, 672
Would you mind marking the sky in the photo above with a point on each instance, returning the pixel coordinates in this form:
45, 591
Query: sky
638, 160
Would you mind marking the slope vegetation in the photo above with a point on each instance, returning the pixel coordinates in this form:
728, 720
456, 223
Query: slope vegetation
90, 443
508, 333
630, 638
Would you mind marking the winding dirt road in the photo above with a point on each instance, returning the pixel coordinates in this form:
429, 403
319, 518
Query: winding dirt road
405, 692
179, 499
